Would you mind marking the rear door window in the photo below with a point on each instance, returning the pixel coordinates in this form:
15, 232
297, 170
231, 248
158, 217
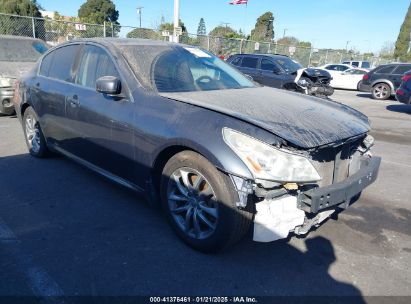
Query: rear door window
385, 70
341, 68
62, 65
249, 62
401, 69
94, 63
355, 64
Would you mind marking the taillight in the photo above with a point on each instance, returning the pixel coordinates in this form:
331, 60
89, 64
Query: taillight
406, 77
365, 77
400, 92
16, 94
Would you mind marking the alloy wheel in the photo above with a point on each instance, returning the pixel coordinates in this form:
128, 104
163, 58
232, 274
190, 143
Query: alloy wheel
381, 91
32, 133
192, 203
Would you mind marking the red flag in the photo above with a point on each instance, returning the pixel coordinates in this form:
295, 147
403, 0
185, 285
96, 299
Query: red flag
234, 2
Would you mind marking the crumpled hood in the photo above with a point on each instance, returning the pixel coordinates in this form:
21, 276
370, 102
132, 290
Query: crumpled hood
12, 69
301, 120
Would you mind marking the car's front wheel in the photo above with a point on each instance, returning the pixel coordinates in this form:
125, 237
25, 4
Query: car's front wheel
381, 91
199, 202
33, 134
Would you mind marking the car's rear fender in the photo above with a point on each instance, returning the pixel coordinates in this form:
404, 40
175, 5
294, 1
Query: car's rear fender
383, 80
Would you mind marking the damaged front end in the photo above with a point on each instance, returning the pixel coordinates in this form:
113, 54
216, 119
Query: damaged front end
296, 190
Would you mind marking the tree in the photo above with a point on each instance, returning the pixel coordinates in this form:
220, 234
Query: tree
288, 41
387, 50
21, 26
201, 30
403, 40
264, 28
144, 34
304, 44
170, 27
98, 11
224, 32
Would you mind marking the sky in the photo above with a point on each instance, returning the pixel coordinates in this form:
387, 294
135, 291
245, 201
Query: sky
366, 24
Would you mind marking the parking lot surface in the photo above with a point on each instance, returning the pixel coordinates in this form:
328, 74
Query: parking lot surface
67, 231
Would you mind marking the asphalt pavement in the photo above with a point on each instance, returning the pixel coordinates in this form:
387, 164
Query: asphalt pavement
66, 231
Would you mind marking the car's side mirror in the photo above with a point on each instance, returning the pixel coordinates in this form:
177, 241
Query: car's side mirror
277, 72
109, 85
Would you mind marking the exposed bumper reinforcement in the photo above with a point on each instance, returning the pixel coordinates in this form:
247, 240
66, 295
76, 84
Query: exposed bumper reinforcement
340, 194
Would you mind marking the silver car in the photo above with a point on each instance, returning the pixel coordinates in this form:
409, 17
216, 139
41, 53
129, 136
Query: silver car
17, 56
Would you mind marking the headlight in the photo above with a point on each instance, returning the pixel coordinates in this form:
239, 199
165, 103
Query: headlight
5, 82
269, 163
302, 82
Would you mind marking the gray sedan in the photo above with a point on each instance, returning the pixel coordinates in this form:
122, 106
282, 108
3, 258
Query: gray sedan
220, 153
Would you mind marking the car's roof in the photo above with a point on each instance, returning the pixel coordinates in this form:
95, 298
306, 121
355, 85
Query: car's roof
344, 64
262, 55
18, 37
126, 42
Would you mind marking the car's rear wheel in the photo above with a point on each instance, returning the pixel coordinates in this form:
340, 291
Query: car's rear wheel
381, 91
199, 202
33, 134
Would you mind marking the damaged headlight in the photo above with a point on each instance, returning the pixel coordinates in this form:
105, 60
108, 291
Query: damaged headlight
269, 163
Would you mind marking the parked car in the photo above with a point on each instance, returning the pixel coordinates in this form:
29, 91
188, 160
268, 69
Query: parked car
403, 93
358, 64
349, 79
17, 56
280, 71
382, 81
334, 69
221, 152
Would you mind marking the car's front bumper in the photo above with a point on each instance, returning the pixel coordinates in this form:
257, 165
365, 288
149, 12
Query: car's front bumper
6, 100
340, 194
276, 218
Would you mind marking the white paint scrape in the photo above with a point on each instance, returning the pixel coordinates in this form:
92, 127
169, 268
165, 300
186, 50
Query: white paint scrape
276, 218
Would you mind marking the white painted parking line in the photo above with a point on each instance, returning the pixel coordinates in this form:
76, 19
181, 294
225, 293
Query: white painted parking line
37, 279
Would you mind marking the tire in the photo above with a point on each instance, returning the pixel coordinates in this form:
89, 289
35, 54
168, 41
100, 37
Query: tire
358, 85
213, 199
33, 134
381, 91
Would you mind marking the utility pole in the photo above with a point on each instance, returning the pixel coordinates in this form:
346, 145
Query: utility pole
139, 9
346, 49
346, 46
225, 23
176, 20
285, 30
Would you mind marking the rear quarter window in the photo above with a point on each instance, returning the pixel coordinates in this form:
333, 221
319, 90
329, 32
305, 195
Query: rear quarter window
236, 61
401, 69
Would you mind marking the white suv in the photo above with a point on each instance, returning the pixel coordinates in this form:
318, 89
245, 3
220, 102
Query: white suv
358, 64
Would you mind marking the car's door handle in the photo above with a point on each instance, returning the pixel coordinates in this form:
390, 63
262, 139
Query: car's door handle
73, 101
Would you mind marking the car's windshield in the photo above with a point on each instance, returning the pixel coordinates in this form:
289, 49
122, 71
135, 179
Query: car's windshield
288, 65
183, 69
195, 70
21, 50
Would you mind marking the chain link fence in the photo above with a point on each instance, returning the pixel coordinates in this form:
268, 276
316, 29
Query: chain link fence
57, 31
